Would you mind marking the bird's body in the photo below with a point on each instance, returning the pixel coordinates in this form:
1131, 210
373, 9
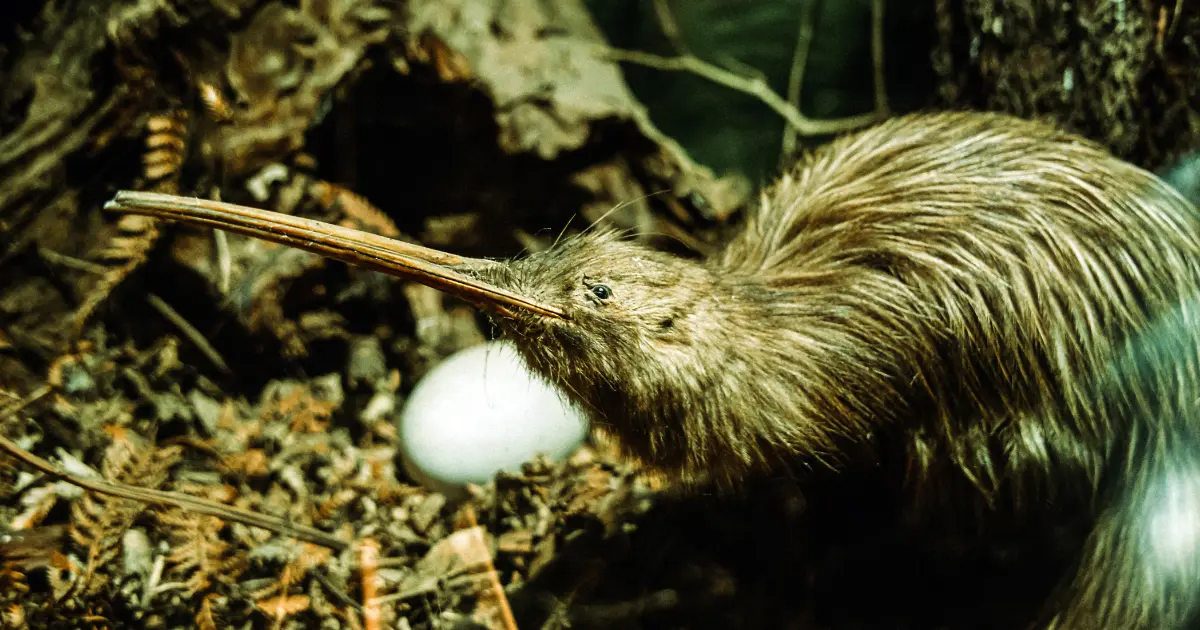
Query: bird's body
1001, 315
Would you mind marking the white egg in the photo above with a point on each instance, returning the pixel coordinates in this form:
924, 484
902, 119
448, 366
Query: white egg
481, 411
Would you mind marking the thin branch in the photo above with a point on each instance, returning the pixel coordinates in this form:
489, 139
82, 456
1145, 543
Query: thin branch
224, 257
189, 331
176, 499
470, 580
881, 95
669, 26
224, 261
33, 397
336, 592
72, 262
368, 553
747, 72
804, 38
493, 577
1175, 18
756, 87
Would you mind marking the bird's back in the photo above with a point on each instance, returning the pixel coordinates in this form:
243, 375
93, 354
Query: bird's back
1032, 298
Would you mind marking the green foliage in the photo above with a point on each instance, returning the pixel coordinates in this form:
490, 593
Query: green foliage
732, 131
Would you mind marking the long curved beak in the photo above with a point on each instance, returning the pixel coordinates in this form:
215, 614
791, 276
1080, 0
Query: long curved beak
433, 268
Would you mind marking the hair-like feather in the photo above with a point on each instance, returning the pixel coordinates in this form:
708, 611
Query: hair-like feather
1003, 310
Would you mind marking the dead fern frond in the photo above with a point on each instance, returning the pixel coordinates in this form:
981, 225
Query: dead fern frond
451, 65
39, 502
310, 556
166, 146
334, 503
62, 576
283, 606
251, 463
305, 412
303, 557
165, 150
358, 213
198, 554
264, 592
14, 617
98, 522
206, 619
12, 579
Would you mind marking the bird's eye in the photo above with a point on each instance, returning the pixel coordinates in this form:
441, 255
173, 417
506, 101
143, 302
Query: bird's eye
601, 291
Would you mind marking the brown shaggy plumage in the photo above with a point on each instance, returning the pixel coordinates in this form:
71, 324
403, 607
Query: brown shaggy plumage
998, 314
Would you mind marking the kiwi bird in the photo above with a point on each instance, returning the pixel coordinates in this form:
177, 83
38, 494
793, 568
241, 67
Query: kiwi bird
999, 314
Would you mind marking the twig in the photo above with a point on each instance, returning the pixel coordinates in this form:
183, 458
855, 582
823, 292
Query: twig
804, 38
336, 592
756, 87
881, 95
280, 608
670, 28
430, 587
224, 257
189, 331
72, 262
224, 260
1175, 18
368, 554
493, 576
152, 583
176, 499
33, 397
